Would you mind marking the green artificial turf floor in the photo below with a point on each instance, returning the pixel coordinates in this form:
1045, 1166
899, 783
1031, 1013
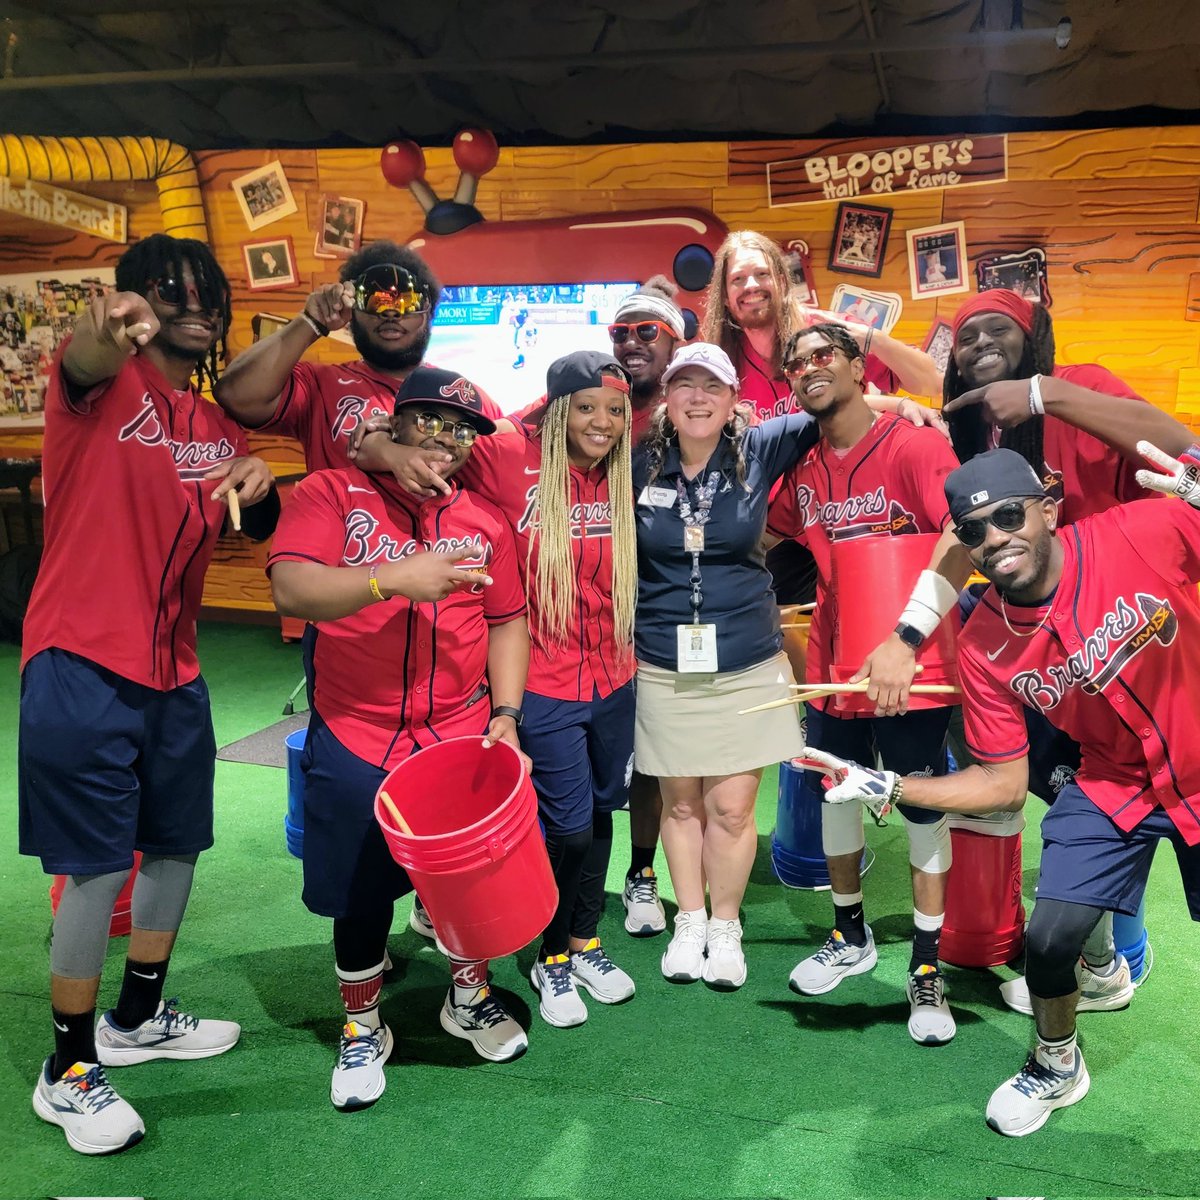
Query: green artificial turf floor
683, 1092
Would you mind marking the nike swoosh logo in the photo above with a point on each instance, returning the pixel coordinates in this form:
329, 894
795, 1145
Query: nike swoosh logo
60, 1028
352, 488
995, 654
143, 975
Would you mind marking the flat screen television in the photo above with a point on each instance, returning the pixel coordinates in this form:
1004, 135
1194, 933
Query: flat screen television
504, 336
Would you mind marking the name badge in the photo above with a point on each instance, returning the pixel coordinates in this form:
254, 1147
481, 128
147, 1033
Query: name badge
658, 497
696, 652
693, 538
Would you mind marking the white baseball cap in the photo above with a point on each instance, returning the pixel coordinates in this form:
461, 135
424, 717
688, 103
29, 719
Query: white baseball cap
702, 354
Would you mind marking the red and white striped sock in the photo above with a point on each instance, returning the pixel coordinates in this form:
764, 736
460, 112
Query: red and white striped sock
470, 980
360, 994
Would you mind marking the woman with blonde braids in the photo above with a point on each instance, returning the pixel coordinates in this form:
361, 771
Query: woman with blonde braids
551, 475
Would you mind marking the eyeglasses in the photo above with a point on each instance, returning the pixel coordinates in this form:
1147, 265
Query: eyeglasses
1008, 517
646, 331
176, 292
389, 288
431, 424
796, 367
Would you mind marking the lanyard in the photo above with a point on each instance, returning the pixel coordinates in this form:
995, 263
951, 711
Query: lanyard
693, 526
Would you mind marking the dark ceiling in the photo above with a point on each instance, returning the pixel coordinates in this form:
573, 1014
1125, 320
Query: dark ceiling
229, 73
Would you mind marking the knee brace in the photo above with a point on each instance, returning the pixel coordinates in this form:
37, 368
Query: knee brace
79, 940
929, 845
161, 891
1053, 940
842, 829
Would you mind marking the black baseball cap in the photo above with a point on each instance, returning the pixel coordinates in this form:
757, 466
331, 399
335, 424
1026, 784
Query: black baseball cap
432, 385
585, 369
990, 477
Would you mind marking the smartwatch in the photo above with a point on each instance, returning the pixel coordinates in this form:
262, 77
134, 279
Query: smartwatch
910, 636
507, 710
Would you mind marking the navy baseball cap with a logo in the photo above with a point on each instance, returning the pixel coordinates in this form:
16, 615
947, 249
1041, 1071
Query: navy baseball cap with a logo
988, 478
432, 385
582, 370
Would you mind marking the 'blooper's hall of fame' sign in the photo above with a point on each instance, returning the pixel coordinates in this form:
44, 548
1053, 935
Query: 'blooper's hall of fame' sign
825, 171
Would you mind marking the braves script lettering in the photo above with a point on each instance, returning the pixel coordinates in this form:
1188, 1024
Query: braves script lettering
1120, 633
193, 460
351, 410
366, 544
593, 519
834, 513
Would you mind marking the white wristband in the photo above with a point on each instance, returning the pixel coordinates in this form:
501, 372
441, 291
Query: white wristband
932, 598
1036, 407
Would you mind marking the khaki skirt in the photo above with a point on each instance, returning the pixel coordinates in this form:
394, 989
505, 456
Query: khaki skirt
688, 725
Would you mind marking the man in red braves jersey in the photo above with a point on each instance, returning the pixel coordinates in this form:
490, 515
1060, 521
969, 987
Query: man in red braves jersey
870, 475
116, 742
421, 636
1095, 625
386, 297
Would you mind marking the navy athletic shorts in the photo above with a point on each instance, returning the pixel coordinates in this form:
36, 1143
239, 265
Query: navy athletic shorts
106, 766
582, 753
913, 743
1086, 859
348, 869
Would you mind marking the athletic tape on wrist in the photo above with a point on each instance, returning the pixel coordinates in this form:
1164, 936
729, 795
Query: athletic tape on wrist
1036, 407
932, 598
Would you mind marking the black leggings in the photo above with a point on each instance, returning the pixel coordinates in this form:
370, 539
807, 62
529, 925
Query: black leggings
360, 942
580, 865
1057, 931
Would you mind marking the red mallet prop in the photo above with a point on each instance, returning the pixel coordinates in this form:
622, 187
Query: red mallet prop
403, 165
475, 154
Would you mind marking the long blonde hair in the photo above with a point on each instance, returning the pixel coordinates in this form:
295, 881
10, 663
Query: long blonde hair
553, 588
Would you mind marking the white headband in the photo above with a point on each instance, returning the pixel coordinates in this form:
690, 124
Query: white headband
658, 306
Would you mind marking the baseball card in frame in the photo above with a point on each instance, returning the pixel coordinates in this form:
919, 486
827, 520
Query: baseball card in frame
859, 242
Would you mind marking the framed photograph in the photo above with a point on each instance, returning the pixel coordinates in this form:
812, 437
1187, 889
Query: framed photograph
937, 260
339, 227
270, 264
262, 325
879, 310
859, 239
1024, 273
799, 264
938, 343
263, 195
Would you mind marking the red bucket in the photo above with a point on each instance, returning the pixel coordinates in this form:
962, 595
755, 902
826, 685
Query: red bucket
985, 919
476, 855
872, 579
122, 915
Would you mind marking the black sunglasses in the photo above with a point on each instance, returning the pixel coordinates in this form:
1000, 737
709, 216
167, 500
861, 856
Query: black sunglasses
176, 292
1008, 517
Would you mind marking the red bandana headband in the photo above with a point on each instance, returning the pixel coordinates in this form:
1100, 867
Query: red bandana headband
998, 300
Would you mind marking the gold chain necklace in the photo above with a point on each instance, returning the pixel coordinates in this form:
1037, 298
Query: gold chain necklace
1004, 614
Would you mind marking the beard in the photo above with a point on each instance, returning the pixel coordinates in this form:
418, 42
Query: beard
390, 360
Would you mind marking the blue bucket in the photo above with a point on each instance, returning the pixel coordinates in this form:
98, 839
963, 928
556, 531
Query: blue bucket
797, 855
1129, 934
293, 821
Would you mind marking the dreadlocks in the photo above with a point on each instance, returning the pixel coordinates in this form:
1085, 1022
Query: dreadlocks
718, 326
161, 256
967, 429
554, 584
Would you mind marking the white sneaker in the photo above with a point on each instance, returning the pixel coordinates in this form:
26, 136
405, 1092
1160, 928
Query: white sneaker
594, 971
644, 913
84, 1106
487, 1025
561, 1004
930, 1021
419, 922
168, 1034
835, 961
358, 1079
725, 966
683, 959
1024, 1104
1097, 993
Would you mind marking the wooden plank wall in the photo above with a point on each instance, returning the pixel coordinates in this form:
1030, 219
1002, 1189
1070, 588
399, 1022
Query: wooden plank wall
1116, 211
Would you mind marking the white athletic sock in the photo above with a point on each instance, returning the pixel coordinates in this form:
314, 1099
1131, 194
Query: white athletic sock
1059, 1055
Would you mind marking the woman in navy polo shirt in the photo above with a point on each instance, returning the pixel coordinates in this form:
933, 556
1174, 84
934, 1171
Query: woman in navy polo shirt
708, 645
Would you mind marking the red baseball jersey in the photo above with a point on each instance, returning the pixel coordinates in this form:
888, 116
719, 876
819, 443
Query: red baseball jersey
322, 403
505, 468
395, 676
765, 386
130, 525
1081, 472
1111, 659
890, 483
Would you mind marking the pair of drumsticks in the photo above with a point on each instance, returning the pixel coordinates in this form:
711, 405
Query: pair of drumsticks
816, 691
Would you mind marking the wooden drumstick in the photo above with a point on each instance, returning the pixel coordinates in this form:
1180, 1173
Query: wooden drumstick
395, 814
847, 689
235, 508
